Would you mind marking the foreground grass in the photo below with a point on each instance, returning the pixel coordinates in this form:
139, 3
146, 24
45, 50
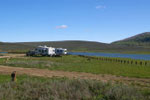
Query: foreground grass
38, 88
81, 64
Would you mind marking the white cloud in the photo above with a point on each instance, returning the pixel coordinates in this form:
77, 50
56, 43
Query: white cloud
62, 27
100, 7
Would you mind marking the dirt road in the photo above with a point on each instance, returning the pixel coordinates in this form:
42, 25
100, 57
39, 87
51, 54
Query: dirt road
12, 55
77, 75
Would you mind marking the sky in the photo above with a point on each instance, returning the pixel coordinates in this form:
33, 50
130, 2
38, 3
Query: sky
55, 20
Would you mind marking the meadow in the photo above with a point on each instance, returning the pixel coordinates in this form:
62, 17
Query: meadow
95, 65
39, 88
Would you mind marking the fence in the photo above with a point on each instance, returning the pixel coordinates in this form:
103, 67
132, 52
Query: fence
119, 60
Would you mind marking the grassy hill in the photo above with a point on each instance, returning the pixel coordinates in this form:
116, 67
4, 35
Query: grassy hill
142, 39
72, 45
136, 44
14, 47
81, 46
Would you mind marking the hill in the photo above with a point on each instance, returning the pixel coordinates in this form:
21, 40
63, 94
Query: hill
77, 46
142, 39
70, 45
13, 47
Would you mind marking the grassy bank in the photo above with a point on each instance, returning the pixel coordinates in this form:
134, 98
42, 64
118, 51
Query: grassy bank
37, 88
100, 65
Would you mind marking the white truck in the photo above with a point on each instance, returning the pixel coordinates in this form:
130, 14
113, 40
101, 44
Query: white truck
47, 51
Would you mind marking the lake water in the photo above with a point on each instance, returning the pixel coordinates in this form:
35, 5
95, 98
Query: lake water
132, 56
3, 52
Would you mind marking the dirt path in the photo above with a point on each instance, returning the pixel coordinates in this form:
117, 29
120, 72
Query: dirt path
48, 73
12, 55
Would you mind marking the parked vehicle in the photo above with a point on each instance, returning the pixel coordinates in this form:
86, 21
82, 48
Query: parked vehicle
47, 51
60, 51
30, 53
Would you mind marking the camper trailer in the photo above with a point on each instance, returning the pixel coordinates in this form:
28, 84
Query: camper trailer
60, 51
47, 51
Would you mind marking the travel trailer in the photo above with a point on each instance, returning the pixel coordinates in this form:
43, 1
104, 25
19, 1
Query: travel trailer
47, 51
60, 51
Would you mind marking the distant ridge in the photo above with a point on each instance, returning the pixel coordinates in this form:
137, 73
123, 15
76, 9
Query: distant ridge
142, 39
13, 47
72, 46
137, 44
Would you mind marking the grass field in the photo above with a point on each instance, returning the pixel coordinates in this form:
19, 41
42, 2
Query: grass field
38, 88
111, 66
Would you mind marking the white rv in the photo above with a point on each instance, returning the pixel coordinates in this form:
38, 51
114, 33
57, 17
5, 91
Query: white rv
47, 51
60, 51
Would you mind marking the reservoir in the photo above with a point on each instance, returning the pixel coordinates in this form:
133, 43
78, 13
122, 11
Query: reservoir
116, 55
3, 52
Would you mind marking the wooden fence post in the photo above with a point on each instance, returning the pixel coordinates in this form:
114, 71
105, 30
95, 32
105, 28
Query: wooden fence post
141, 63
124, 61
145, 63
136, 62
13, 76
131, 62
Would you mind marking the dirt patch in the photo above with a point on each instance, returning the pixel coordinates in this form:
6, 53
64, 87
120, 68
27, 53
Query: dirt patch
12, 55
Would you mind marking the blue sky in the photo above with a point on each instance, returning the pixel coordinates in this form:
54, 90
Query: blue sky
52, 20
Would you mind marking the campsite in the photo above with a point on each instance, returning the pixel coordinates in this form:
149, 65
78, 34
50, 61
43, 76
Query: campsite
74, 50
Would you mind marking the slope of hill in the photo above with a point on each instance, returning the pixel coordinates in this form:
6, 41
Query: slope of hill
142, 39
14, 47
78, 46
71, 45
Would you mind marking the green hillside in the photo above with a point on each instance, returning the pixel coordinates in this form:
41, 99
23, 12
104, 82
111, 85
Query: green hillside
14, 47
142, 39
136, 44
72, 45
78, 46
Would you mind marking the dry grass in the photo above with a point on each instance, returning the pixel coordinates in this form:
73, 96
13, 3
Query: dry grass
65, 89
